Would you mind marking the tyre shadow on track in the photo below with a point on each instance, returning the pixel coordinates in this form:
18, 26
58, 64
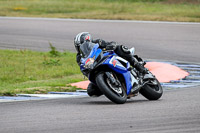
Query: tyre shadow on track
97, 101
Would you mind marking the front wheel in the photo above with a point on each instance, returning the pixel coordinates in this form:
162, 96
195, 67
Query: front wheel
116, 93
151, 91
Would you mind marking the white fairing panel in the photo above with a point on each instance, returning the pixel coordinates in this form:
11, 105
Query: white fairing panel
133, 80
118, 58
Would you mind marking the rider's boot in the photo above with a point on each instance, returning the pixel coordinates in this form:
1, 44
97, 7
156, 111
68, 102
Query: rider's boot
137, 65
140, 68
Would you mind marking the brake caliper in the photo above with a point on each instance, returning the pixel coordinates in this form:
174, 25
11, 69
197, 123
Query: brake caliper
113, 81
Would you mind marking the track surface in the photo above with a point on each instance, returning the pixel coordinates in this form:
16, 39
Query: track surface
176, 111
165, 41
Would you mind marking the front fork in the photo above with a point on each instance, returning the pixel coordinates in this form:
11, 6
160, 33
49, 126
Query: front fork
112, 79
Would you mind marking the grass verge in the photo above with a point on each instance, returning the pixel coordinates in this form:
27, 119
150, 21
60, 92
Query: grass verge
24, 71
160, 10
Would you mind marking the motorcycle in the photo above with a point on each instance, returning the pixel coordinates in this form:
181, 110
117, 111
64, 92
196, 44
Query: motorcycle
114, 77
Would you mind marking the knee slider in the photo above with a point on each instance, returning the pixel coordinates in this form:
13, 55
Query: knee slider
125, 49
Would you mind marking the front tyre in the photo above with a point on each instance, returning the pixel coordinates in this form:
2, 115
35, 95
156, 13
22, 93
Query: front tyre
116, 94
151, 91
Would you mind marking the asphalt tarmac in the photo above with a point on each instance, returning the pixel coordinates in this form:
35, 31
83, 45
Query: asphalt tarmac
177, 110
152, 40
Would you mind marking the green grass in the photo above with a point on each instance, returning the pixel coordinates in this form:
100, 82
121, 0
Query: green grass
162, 10
24, 71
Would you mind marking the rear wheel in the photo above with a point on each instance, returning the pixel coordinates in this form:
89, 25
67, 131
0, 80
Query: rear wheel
152, 91
116, 93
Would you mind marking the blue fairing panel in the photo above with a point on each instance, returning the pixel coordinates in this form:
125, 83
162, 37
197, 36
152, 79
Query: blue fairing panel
123, 71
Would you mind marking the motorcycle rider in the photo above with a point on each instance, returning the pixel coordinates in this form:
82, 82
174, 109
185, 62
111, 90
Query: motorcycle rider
120, 50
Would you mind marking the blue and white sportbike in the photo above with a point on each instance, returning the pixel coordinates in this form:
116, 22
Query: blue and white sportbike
113, 76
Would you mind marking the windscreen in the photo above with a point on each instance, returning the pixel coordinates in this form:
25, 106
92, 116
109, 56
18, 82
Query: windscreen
86, 48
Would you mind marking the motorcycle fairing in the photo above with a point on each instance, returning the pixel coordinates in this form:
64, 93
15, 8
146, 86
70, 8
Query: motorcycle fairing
119, 68
94, 53
112, 61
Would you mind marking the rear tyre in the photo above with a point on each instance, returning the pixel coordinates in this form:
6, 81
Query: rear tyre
116, 95
152, 92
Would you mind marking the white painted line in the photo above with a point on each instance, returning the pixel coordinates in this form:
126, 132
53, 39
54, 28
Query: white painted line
100, 20
30, 97
47, 95
6, 100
